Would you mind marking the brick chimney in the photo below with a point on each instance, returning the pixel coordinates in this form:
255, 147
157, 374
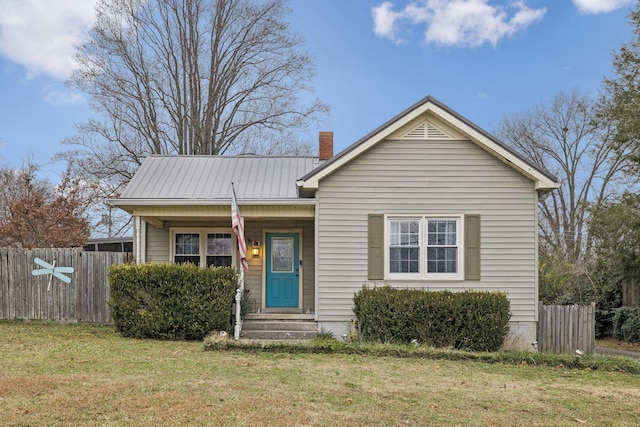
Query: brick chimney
326, 145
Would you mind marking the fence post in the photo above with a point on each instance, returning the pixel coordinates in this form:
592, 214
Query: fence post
78, 281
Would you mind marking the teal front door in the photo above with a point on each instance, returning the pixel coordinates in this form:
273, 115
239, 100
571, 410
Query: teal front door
282, 267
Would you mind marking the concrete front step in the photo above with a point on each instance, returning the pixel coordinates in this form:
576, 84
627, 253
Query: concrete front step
279, 316
278, 335
279, 326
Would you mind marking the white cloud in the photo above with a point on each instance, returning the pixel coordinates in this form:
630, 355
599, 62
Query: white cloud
467, 23
599, 6
41, 34
384, 20
62, 98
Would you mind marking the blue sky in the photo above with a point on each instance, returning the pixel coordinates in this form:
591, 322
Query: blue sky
482, 58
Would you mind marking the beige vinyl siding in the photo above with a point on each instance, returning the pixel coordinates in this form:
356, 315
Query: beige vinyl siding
159, 250
446, 177
157, 244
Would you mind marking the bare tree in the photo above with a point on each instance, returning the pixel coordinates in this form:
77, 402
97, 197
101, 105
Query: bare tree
565, 138
190, 77
12, 185
34, 213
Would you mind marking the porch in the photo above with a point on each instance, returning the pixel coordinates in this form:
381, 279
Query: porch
279, 240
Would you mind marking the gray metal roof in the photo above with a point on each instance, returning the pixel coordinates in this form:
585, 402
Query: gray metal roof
210, 178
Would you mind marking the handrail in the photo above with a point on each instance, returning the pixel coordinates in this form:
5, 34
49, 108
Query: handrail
239, 292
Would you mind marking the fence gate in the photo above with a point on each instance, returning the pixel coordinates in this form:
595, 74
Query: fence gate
566, 328
24, 296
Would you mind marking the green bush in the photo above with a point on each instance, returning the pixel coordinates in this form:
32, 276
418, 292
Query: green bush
626, 324
475, 321
171, 301
604, 323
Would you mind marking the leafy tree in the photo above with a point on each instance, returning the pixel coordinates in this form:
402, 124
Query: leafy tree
33, 213
190, 77
615, 227
616, 232
565, 137
621, 100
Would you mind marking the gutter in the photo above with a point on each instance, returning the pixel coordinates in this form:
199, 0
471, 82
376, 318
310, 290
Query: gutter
209, 202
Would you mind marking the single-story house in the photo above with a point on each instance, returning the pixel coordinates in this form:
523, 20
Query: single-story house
427, 200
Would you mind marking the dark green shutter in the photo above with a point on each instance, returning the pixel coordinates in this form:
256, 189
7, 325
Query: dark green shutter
376, 247
472, 247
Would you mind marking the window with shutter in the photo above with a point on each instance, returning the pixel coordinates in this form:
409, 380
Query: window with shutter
424, 247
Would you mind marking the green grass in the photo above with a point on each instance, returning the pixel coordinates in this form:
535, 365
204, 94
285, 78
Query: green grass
328, 345
54, 374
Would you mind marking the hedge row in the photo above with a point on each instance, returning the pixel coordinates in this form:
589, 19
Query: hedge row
475, 321
626, 324
171, 301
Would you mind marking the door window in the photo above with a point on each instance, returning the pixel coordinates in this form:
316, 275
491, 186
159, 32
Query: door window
282, 254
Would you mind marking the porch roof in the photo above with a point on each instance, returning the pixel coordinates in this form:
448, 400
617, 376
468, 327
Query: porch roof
206, 180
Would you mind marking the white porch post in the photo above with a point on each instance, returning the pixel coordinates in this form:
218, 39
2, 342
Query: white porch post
140, 238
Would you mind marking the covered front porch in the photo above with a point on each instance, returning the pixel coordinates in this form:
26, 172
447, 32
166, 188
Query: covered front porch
280, 248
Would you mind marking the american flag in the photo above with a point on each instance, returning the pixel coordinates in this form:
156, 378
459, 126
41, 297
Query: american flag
236, 224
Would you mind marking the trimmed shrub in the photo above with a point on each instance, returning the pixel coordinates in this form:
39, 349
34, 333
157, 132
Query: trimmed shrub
171, 301
626, 324
604, 322
475, 321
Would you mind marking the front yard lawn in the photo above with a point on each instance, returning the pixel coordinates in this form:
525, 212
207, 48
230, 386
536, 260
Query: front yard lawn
56, 374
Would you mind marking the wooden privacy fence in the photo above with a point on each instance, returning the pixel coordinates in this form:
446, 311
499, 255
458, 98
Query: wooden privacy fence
566, 328
631, 294
24, 296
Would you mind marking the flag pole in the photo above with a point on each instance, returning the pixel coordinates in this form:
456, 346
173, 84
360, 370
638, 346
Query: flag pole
238, 229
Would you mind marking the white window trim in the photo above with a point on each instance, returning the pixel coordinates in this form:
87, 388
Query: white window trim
422, 262
203, 241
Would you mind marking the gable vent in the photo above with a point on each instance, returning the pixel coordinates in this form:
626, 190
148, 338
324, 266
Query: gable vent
426, 130
435, 133
416, 133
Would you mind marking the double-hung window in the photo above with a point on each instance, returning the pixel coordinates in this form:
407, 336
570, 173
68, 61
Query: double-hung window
404, 246
187, 248
208, 247
442, 246
424, 247
219, 249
